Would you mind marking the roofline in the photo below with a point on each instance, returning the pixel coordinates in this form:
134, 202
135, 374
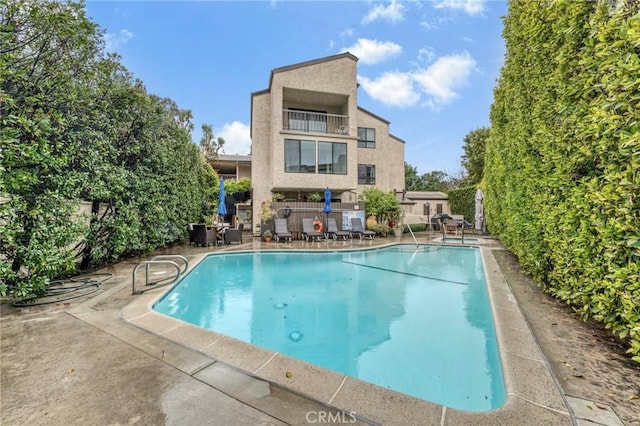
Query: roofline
239, 158
259, 92
311, 62
295, 66
374, 115
397, 138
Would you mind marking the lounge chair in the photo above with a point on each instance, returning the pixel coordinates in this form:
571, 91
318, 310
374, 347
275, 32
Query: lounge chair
234, 235
308, 231
358, 229
204, 236
334, 232
282, 231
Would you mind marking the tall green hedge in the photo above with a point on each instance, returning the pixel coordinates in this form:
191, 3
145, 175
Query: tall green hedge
563, 157
75, 125
463, 201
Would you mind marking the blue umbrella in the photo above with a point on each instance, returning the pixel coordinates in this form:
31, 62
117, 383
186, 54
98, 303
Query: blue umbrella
327, 207
327, 201
222, 206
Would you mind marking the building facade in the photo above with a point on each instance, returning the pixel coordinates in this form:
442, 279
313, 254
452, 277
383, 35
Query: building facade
232, 167
308, 133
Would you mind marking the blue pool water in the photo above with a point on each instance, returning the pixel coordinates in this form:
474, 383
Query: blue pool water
415, 320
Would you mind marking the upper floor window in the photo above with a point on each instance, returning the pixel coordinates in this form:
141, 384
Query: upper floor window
332, 158
366, 174
366, 137
299, 156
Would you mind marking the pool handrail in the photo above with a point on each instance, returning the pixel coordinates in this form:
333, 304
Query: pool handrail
158, 260
413, 235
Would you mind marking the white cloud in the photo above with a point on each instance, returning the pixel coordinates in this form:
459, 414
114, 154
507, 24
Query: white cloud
441, 79
112, 41
428, 26
372, 51
394, 12
426, 54
236, 138
392, 88
472, 7
347, 32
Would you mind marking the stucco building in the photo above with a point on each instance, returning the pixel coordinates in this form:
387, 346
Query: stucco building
309, 133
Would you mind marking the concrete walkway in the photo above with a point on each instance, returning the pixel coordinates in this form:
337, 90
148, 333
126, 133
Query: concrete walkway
78, 362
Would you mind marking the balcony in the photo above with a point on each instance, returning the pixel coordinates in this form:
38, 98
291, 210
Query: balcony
315, 122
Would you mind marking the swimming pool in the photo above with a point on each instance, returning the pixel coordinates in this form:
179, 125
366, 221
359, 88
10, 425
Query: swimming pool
415, 320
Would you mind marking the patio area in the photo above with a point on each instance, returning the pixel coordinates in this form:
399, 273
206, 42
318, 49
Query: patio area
108, 359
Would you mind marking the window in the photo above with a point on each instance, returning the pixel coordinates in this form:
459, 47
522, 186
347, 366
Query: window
332, 158
366, 137
366, 174
299, 156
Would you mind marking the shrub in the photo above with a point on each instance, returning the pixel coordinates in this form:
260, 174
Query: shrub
463, 201
561, 164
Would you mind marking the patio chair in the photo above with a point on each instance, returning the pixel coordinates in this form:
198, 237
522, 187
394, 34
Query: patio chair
204, 236
308, 231
451, 225
282, 231
334, 232
358, 229
234, 235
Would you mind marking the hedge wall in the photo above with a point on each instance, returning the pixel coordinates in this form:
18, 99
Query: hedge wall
463, 201
75, 125
563, 158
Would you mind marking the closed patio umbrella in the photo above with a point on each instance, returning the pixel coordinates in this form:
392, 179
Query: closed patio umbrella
222, 206
327, 206
479, 211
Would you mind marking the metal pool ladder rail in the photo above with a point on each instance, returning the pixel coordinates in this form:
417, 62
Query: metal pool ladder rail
163, 259
413, 235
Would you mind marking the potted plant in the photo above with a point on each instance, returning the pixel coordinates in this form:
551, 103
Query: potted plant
266, 214
314, 197
396, 222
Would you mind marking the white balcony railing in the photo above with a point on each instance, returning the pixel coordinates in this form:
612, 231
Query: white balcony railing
317, 122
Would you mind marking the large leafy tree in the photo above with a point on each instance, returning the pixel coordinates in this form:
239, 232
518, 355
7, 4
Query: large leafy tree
431, 181
209, 144
473, 158
412, 180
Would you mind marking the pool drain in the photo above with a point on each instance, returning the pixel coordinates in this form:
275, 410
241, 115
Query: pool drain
295, 336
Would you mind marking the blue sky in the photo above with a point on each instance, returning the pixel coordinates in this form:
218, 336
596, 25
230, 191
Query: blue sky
428, 67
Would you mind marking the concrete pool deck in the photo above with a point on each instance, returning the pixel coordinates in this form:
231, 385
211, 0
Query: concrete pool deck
108, 359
